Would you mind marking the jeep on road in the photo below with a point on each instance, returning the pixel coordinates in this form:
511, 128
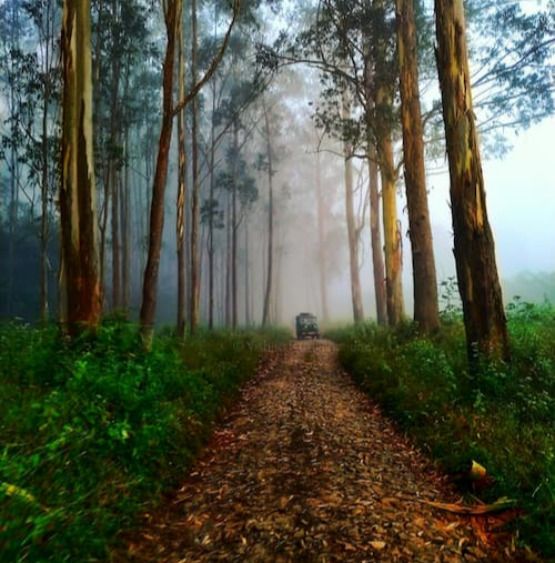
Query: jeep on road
306, 326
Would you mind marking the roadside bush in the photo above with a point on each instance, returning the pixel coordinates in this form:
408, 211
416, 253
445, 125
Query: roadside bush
503, 416
93, 429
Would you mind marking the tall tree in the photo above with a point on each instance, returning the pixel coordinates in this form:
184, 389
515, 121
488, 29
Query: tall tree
352, 44
114, 151
44, 20
194, 315
14, 104
80, 275
484, 317
172, 13
376, 237
321, 219
181, 190
234, 226
353, 238
270, 259
383, 130
378, 267
212, 210
426, 312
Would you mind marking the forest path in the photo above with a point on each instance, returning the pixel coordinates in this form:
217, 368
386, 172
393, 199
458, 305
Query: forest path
306, 468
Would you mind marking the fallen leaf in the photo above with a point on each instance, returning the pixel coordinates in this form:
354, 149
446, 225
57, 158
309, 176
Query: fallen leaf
377, 545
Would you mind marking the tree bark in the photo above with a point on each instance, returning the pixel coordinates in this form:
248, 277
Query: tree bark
44, 181
103, 232
114, 165
228, 245
376, 238
116, 261
322, 263
195, 196
426, 313
234, 227
181, 191
211, 215
372, 52
150, 282
126, 231
270, 262
14, 161
247, 274
80, 276
484, 317
356, 292
391, 225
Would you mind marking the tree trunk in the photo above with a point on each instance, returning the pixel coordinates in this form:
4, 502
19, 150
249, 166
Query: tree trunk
44, 189
322, 263
181, 191
14, 160
125, 231
195, 196
114, 165
228, 267
426, 313
247, 272
125, 206
150, 282
103, 232
484, 317
49, 49
371, 133
80, 275
376, 238
392, 229
211, 215
116, 262
382, 89
277, 300
356, 292
269, 273
223, 286
234, 227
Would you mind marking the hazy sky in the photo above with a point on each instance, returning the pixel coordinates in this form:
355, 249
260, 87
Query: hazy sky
521, 202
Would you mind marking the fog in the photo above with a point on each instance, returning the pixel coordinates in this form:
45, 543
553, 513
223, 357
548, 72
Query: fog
521, 204
520, 197
520, 190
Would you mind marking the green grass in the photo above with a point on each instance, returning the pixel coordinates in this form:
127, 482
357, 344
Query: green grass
503, 416
92, 432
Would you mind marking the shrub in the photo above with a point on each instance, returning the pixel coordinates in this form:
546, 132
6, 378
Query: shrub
503, 416
91, 430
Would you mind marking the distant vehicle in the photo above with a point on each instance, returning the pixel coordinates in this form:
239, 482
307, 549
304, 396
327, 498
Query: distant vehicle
307, 326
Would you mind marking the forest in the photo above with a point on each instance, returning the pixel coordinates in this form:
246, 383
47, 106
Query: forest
179, 182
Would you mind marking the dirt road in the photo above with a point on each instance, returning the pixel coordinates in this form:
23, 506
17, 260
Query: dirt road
306, 468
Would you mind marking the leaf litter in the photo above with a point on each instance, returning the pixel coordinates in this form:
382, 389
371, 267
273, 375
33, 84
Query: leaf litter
306, 468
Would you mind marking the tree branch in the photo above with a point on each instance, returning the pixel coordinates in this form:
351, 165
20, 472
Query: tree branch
213, 65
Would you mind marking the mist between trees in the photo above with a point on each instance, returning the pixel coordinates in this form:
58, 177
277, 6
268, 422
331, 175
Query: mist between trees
235, 164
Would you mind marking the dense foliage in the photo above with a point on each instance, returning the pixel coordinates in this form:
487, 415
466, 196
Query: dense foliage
92, 430
501, 416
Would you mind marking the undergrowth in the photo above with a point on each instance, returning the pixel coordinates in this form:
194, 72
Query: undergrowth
502, 416
91, 432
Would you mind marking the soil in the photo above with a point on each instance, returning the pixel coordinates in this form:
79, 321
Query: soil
307, 468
